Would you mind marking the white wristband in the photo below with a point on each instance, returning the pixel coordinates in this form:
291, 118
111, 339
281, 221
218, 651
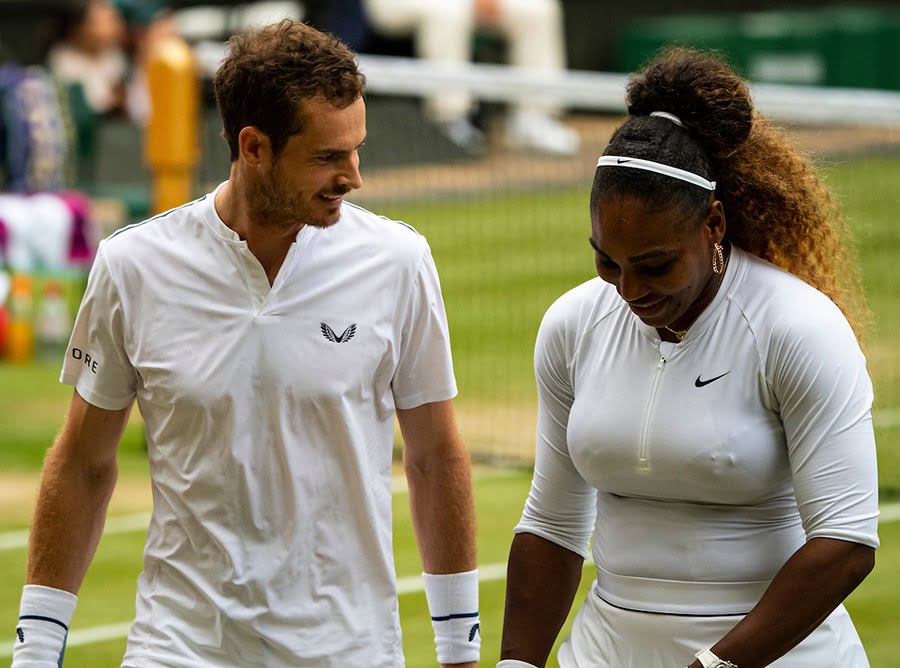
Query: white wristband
453, 603
44, 617
515, 663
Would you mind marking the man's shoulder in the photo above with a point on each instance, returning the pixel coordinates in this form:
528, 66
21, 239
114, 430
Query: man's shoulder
163, 227
378, 231
378, 223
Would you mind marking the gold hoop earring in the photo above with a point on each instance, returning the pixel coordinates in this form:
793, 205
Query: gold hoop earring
718, 258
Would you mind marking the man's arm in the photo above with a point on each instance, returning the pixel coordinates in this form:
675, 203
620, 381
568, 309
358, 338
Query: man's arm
542, 578
440, 489
77, 481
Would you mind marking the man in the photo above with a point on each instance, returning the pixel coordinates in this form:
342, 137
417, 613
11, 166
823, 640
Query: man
270, 333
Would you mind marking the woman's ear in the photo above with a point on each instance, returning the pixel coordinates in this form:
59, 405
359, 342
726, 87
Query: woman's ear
715, 221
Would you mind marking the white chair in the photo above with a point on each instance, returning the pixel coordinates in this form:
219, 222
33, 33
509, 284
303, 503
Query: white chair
263, 13
203, 22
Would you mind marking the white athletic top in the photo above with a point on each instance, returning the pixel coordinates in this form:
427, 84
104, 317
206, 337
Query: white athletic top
270, 419
701, 466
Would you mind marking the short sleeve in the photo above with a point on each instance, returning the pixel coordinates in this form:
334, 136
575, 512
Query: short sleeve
424, 372
825, 398
96, 363
561, 506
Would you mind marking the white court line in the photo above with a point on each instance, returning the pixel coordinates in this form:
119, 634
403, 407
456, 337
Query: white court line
17, 540
888, 512
886, 419
411, 584
407, 585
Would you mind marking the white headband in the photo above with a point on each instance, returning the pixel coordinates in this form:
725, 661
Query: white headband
667, 115
658, 167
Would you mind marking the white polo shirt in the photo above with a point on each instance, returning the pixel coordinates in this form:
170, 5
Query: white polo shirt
702, 466
269, 417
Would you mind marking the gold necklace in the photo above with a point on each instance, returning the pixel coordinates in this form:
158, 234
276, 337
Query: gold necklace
681, 333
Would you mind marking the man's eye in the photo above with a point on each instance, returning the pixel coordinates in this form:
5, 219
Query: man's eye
608, 264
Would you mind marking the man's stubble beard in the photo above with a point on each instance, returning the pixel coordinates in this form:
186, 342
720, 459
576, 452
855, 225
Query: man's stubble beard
274, 206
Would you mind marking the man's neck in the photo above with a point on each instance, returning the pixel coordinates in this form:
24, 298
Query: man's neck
268, 244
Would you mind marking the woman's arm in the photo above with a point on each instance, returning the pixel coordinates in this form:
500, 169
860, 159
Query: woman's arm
818, 377
548, 551
811, 584
541, 582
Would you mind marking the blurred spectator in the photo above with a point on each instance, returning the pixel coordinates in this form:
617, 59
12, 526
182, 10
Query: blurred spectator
87, 47
34, 134
443, 32
148, 22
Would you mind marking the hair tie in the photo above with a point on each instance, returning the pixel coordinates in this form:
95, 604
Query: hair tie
667, 115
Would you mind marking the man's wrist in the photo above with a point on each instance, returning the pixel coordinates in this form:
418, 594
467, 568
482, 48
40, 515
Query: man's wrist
45, 614
453, 603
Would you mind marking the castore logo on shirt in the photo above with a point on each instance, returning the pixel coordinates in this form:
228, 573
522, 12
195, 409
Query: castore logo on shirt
329, 334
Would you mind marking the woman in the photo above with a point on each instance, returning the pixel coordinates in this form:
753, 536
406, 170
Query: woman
704, 406
87, 48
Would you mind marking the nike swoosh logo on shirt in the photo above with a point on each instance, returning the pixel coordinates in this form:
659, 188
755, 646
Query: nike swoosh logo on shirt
701, 383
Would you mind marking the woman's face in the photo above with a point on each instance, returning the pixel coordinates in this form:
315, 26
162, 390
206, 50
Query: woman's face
103, 27
660, 264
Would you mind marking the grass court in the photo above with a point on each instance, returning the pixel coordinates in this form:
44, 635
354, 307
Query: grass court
503, 259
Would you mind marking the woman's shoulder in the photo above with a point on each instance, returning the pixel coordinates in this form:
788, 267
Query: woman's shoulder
779, 289
778, 304
582, 306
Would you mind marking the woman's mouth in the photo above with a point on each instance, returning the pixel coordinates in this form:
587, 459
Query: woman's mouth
647, 309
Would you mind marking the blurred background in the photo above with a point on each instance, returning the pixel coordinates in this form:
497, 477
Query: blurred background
483, 135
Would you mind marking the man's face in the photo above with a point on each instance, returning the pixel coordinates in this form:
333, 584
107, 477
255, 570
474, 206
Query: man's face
306, 183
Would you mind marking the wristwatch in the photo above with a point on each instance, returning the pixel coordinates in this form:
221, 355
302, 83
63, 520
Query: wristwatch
710, 660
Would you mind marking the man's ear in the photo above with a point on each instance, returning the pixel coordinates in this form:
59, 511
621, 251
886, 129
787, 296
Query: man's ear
254, 146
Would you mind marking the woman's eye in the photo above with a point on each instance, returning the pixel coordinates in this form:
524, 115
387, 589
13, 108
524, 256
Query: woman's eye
658, 270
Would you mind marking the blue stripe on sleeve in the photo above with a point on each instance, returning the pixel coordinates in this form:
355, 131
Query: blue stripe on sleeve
466, 615
62, 652
44, 619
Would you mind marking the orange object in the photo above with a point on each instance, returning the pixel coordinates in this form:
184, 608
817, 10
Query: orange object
20, 333
172, 146
4, 329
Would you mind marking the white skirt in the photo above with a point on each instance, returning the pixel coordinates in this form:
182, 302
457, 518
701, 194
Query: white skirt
604, 636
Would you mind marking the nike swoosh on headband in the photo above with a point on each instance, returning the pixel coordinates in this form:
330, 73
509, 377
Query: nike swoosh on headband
658, 167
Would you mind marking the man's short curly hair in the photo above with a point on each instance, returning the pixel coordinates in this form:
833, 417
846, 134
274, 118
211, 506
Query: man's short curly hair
269, 71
